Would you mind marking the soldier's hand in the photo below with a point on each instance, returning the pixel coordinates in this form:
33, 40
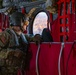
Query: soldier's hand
37, 39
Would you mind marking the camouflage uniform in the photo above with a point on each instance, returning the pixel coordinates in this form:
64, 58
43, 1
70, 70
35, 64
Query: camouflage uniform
13, 47
12, 57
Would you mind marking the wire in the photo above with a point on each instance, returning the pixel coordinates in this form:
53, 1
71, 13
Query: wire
37, 56
61, 50
69, 58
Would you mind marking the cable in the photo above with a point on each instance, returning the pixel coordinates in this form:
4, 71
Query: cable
69, 58
37, 56
61, 50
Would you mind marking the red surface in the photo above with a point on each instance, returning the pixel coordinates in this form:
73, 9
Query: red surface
55, 31
72, 29
48, 60
4, 21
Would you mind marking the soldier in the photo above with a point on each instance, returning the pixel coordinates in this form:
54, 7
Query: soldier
13, 46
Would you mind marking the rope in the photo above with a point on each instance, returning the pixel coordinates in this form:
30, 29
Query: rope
69, 57
37, 56
61, 50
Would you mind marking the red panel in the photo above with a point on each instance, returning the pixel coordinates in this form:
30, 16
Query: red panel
4, 21
72, 27
68, 60
55, 30
0, 21
48, 60
51, 17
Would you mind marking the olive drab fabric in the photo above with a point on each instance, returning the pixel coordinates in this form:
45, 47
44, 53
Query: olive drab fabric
11, 57
11, 61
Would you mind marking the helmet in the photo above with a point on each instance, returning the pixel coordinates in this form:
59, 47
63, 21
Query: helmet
16, 18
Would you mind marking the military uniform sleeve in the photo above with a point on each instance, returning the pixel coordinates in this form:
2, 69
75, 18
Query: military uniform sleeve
4, 39
29, 38
37, 39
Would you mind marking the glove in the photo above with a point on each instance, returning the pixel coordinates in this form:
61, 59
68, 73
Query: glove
37, 39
